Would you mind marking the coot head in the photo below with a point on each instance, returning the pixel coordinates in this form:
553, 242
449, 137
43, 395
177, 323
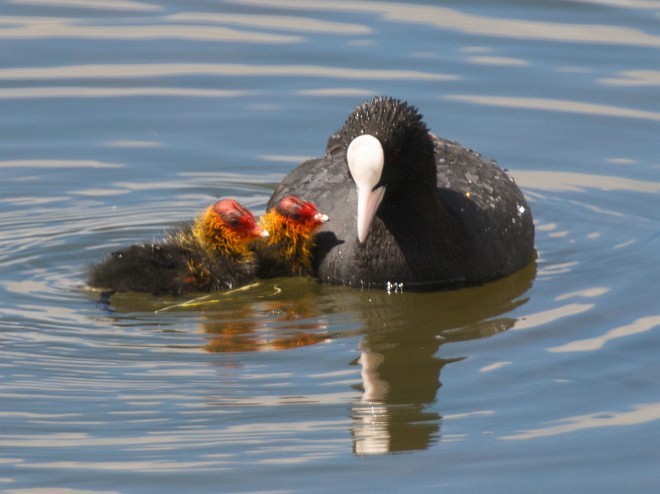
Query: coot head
388, 151
292, 224
299, 211
227, 227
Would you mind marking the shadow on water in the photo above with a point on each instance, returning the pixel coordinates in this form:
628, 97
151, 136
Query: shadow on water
400, 335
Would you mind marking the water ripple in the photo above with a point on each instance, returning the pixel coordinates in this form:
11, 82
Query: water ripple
640, 325
452, 19
59, 164
547, 180
639, 414
554, 105
116, 92
635, 78
119, 5
130, 71
122, 119
31, 28
275, 22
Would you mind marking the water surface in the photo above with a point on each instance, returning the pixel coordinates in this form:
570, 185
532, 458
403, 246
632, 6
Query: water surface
120, 119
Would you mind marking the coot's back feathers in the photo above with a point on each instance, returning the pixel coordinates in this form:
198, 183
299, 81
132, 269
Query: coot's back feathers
447, 217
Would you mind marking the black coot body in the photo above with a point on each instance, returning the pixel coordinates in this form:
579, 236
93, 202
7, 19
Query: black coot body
169, 268
448, 217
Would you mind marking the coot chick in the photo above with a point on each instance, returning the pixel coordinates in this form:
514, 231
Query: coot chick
409, 207
287, 251
210, 254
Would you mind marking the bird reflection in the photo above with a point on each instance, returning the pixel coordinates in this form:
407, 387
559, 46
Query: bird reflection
401, 335
399, 357
279, 324
400, 366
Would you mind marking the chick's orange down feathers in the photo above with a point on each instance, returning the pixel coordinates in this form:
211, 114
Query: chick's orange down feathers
291, 224
211, 254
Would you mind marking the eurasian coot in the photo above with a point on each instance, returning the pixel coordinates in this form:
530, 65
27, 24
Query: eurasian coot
210, 254
409, 207
288, 250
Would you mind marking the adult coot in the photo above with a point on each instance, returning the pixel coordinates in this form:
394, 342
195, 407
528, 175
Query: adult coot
210, 254
409, 208
288, 250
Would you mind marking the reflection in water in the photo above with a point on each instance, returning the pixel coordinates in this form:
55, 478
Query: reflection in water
400, 369
401, 335
398, 386
292, 324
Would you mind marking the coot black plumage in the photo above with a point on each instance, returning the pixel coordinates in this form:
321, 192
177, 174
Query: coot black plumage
291, 224
410, 207
210, 254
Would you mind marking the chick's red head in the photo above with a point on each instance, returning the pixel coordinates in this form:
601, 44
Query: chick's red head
237, 219
299, 211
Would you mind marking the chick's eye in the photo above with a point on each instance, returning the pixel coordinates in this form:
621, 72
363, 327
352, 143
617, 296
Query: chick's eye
295, 216
233, 221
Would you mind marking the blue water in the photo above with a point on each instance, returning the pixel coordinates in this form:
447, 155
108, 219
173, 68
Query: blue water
119, 119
